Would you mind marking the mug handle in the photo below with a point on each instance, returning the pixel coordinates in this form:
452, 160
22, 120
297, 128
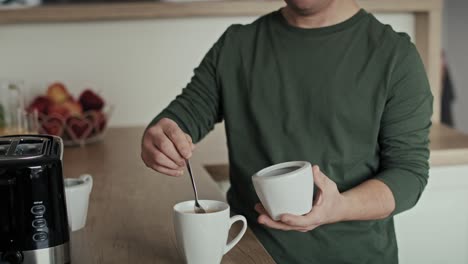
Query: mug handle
88, 180
236, 240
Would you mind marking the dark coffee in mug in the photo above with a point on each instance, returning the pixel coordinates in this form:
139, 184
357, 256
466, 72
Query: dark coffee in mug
206, 210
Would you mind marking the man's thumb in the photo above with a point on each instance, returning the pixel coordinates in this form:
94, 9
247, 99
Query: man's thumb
319, 178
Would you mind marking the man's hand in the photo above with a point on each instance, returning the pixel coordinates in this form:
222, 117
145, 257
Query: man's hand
329, 207
165, 147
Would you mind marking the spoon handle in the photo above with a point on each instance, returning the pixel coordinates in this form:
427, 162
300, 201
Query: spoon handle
189, 168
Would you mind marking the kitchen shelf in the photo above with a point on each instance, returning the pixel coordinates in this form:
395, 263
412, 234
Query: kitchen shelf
150, 10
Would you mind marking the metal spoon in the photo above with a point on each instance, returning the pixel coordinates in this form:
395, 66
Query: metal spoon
198, 208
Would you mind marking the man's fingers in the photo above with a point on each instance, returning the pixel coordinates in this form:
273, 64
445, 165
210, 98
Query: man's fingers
189, 139
265, 219
167, 171
318, 198
179, 139
159, 162
295, 220
303, 221
260, 209
165, 145
319, 178
161, 159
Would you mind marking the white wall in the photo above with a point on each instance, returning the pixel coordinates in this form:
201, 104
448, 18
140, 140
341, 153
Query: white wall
455, 42
138, 65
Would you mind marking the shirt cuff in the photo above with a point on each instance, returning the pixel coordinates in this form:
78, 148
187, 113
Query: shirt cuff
406, 187
168, 114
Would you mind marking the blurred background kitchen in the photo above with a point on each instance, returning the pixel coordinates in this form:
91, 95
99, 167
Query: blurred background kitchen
123, 61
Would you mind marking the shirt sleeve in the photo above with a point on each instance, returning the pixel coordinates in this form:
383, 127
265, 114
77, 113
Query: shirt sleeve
198, 108
404, 132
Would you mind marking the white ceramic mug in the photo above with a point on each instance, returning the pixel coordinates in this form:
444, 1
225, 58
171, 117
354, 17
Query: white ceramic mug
77, 191
285, 188
202, 238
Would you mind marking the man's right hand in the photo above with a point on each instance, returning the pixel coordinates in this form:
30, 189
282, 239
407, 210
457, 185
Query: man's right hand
165, 147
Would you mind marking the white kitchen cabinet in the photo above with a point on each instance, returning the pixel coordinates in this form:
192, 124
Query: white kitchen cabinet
436, 230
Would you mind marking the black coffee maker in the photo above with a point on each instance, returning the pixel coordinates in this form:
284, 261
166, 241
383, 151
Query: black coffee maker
33, 215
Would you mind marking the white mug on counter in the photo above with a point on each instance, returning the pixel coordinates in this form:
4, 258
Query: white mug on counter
77, 191
201, 238
285, 188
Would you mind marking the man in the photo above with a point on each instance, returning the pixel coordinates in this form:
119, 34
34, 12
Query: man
322, 81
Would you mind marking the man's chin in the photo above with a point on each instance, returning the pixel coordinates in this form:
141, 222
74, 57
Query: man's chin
306, 7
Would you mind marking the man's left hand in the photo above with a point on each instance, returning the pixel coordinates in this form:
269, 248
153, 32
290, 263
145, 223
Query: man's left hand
328, 207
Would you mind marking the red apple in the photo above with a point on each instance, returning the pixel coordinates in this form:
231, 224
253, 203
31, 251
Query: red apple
74, 108
41, 104
91, 101
53, 126
57, 92
59, 110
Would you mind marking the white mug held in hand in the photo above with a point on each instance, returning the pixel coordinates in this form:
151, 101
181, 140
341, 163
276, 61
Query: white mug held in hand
285, 188
202, 238
77, 193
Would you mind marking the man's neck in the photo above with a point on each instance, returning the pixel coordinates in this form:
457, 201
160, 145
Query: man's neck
335, 12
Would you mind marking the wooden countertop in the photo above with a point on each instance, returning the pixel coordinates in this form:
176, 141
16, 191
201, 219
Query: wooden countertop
156, 9
449, 147
130, 212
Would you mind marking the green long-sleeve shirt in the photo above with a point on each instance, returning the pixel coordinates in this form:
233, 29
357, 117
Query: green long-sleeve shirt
352, 98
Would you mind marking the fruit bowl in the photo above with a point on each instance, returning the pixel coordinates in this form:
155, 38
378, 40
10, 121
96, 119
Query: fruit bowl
78, 121
77, 130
